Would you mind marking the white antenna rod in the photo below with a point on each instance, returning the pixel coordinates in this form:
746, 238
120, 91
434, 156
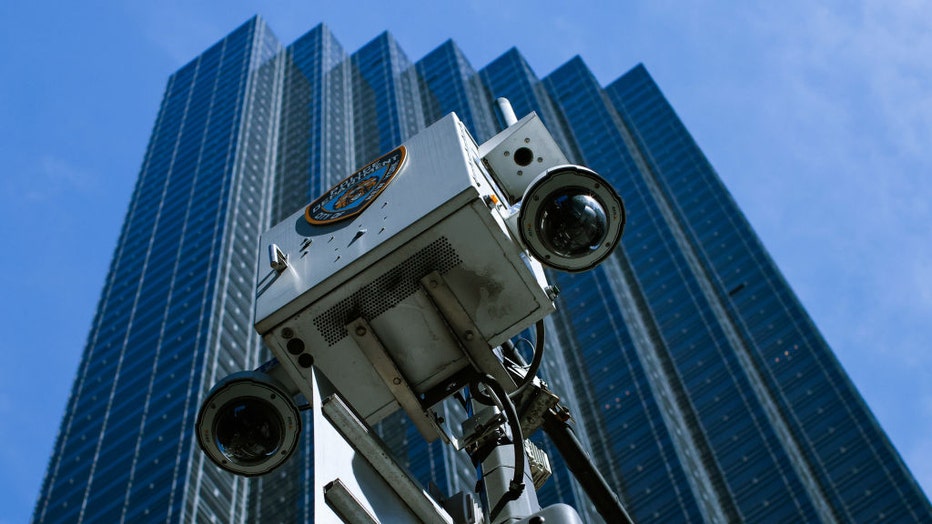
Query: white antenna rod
508, 113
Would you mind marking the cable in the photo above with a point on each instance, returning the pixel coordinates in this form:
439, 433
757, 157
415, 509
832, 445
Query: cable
476, 394
509, 351
516, 487
511, 354
535, 360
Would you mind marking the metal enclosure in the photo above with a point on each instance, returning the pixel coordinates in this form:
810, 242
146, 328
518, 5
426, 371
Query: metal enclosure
519, 153
440, 214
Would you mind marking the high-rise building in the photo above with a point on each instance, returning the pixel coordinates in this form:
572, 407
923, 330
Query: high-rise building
698, 382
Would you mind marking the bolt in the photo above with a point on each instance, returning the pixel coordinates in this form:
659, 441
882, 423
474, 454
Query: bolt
433, 283
563, 413
469, 335
396, 381
287, 333
360, 330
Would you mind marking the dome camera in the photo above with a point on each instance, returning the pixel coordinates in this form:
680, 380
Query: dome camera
248, 424
571, 218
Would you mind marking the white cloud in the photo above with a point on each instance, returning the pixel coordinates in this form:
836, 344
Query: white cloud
895, 41
53, 178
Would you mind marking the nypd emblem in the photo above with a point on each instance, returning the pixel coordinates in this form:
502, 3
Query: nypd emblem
354, 194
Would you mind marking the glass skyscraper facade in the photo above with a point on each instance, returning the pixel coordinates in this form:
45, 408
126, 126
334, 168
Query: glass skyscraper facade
699, 384
175, 311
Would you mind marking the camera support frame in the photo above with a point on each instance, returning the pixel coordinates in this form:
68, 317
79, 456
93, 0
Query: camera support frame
400, 306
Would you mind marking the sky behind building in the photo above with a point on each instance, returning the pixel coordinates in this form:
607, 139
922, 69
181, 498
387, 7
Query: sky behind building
816, 115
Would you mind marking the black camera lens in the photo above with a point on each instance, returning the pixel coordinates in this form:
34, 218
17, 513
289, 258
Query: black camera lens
571, 219
248, 431
572, 223
248, 424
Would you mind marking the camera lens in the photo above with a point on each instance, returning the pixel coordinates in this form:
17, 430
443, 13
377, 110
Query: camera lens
571, 219
248, 424
572, 223
248, 430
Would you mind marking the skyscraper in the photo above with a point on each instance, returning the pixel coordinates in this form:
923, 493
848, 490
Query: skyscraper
697, 380
175, 311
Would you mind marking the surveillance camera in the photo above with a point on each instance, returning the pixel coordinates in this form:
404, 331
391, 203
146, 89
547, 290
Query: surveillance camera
395, 286
248, 423
570, 218
414, 244
397, 283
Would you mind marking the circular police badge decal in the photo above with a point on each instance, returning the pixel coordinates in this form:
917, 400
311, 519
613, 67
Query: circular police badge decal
354, 194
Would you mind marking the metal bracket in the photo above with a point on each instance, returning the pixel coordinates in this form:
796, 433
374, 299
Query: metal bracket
344, 504
388, 371
465, 330
366, 443
532, 403
479, 427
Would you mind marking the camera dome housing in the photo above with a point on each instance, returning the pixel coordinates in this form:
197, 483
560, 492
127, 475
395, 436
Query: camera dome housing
248, 424
571, 219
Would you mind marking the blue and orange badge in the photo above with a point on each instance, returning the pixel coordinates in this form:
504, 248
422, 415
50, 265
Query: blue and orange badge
354, 194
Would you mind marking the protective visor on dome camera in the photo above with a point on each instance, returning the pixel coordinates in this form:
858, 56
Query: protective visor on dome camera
248, 424
570, 218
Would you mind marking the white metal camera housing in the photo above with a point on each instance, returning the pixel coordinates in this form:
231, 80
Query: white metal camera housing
397, 283
570, 218
248, 424
398, 300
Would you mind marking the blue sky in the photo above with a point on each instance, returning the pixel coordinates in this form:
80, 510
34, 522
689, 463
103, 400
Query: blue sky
817, 114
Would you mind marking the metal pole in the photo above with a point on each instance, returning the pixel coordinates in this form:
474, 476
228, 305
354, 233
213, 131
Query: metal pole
591, 480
